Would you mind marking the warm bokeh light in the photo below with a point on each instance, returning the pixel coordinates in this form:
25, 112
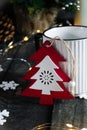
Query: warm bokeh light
69, 125
10, 44
26, 38
84, 129
10, 47
38, 31
30, 68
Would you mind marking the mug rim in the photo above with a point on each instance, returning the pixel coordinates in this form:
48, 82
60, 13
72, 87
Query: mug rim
65, 27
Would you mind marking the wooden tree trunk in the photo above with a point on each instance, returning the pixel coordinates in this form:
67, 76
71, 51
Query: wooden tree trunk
70, 112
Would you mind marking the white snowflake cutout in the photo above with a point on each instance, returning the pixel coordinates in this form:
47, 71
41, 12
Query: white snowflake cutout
47, 77
1, 69
8, 85
3, 114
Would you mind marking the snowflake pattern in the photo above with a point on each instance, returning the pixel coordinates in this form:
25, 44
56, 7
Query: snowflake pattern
3, 114
8, 85
46, 77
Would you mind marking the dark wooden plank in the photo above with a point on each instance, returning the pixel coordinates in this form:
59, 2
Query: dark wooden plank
70, 112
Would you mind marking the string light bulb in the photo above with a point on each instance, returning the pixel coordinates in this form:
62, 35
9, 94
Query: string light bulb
26, 38
63, 8
66, 5
69, 125
11, 46
30, 68
70, 3
38, 31
78, 2
60, 25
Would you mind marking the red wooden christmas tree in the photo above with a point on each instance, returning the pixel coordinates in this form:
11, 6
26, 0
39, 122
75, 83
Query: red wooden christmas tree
47, 77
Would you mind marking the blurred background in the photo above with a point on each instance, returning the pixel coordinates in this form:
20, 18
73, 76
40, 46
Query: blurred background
24, 17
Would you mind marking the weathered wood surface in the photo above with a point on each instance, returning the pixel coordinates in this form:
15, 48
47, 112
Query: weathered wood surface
70, 112
25, 112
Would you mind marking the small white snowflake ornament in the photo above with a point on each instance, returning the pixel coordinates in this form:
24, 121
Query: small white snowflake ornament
8, 85
3, 115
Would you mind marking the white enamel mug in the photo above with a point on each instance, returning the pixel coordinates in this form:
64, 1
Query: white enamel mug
76, 39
